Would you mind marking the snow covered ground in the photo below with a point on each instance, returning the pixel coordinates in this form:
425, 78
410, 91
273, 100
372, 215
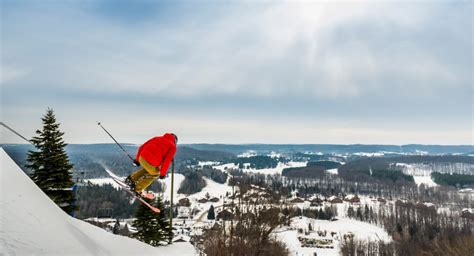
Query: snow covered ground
332, 171
421, 173
427, 180
276, 170
340, 227
31, 224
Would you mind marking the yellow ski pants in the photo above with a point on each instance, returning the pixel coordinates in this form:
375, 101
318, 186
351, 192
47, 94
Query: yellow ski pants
144, 176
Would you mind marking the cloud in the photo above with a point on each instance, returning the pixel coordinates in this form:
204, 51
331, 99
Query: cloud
261, 49
393, 62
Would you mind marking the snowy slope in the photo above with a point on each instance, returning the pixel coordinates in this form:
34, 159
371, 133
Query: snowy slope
421, 173
30, 223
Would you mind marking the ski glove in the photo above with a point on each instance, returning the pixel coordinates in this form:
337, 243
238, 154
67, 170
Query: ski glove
136, 163
162, 177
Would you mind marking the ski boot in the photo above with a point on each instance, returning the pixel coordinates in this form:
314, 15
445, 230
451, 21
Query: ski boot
130, 183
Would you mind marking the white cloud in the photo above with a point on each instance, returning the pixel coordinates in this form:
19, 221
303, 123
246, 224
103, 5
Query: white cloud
261, 49
401, 64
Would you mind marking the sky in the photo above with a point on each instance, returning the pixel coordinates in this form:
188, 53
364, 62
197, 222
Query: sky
341, 72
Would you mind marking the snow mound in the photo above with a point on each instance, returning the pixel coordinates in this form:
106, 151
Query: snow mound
31, 224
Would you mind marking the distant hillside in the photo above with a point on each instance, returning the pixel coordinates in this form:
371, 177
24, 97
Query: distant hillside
91, 158
305, 172
384, 162
185, 153
335, 148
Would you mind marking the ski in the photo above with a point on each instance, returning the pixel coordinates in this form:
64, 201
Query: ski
126, 188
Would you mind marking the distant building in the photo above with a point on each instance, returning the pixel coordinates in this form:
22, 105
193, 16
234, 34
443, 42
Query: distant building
254, 195
202, 200
297, 200
316, 201
224, 215
353, 199
214, 200
334, 200
184, 212
467, 213
184, 202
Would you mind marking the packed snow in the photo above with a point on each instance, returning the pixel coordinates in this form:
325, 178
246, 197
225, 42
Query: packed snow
31, 224
277, 170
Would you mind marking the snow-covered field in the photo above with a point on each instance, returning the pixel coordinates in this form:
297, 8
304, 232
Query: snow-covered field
421, 173
31, 224
276, 170
340, 227
427, 180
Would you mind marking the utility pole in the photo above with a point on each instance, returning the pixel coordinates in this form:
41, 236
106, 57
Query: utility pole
171, 203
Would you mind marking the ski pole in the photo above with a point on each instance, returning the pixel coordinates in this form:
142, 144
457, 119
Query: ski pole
19, 135
133, 160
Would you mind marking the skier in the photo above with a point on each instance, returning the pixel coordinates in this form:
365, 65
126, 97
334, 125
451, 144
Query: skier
154, 157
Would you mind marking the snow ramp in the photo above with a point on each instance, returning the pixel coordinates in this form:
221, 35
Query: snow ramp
32, 224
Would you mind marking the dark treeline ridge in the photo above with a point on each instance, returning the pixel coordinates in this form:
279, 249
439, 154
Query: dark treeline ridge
192, 183
383, 163
90, 160
193, 178
107, 201
324, 164
95, 200
335, 148
309, 172
457, 180
258, 162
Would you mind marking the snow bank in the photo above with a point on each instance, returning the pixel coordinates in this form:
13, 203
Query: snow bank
31, 224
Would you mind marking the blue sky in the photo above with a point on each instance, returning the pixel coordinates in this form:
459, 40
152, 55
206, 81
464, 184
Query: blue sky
390, 72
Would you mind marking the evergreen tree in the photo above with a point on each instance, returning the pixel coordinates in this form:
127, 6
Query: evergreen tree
116, 229
50, 163
153, 228
350, 212
124, 231
359, 214
211, 215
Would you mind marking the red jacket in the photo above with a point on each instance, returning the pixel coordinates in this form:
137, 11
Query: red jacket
158, 151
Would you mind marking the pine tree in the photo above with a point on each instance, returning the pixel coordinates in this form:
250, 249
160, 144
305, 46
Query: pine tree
359, 214
124, 231
116, 229
50, 163
350, 212
211, 215
152, 228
